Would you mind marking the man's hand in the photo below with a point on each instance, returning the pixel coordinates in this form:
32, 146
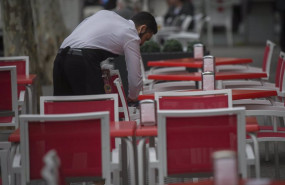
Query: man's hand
132, 102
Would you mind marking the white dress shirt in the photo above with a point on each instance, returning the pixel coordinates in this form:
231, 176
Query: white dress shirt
108, 31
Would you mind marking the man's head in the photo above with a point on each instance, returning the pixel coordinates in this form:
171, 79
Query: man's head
145, 24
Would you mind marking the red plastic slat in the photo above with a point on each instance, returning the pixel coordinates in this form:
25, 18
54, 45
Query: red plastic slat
265, 57
15, 136
193, 102
191, 142
78, 145
5, 90
20, 65
67, 107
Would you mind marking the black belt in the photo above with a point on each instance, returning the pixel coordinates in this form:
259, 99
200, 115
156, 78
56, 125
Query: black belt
72, 51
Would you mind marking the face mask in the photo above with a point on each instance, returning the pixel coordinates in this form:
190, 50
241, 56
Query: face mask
141, 35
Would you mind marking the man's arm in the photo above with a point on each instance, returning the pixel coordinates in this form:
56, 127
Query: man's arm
132, 56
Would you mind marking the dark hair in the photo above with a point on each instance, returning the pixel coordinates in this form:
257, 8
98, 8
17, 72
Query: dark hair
146, 18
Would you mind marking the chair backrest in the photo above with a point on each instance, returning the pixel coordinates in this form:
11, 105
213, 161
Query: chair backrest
219, 11
80, 104
267, 57
193, 99
282, 78
186, 23
8, 96
278, 75
21, 62
82, 142
123, 105
187, 139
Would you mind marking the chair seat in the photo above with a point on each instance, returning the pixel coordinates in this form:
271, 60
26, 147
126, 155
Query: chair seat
273, 135
270, 128
251, 124
15, 136
6, 119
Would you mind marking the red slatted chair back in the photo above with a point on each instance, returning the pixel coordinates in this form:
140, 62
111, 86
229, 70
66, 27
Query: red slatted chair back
6, 90
77, 157
20, 65
81, 106
78, 143
191, 142
278, 70
193, 102
69, 107
8, 93
265, 57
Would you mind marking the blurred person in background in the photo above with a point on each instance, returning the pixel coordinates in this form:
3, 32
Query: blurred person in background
280, 6
177, 11
127, 8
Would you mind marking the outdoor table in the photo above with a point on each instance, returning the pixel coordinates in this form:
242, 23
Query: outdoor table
194, 63
196, 76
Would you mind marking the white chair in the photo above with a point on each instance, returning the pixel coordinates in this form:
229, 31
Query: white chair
186, 36
220, 14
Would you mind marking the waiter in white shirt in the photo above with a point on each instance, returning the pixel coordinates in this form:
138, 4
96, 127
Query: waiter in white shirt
105, 34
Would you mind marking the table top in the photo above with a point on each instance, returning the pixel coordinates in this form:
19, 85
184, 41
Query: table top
26, 80
122, 128
194, 63
237, 94
196, 76
241, 182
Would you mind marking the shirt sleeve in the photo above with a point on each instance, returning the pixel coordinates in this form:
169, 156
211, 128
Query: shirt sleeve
132, 57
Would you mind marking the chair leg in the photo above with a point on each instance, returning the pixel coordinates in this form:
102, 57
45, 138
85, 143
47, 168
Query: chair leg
151, 176
116, 177
141, 162
256, 153
229, 35
210, 34
277, 172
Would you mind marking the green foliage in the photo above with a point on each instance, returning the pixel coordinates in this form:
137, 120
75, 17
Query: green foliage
172, 46
150, 47
190, 47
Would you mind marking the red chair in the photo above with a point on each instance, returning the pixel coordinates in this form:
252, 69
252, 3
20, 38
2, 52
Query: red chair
263, 85
208, 100
22, 65
82, 142
8, 94
77, 104
220, 128
267, 58
80, 104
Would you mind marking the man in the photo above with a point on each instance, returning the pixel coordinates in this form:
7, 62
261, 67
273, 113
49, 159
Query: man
105, 34
177, 11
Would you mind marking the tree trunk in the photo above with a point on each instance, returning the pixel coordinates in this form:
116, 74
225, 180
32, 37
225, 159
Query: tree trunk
33, 28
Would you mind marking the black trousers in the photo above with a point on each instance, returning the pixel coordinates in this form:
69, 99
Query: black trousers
79, 73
